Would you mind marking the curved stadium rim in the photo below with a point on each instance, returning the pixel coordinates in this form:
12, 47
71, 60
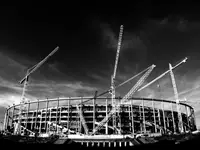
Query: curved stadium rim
99, 98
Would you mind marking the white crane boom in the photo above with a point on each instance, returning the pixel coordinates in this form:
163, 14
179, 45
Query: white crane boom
115, 70
183, 61
137, 85
124, 100
83, 122
180, 123
38, 64
118, 50
25, 81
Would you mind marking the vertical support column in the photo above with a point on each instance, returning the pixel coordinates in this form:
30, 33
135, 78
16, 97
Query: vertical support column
81, 110
68, 124
36, 115
154, 116
57, 115
79, 117
144, 125
119, 114
5, 120
132, 119
47, 113
32, 122
173, 122
167, 121
27, 117
40, 121
140, 119
60, 116
186, 108
193, 115
94, 112
159, 119
107, 115
49, 120
13, 116
129, 116
163, 116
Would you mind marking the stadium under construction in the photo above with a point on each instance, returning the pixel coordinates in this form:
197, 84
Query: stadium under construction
102, 120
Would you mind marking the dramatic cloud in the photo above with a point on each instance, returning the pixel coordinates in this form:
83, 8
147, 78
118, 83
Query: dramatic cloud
154, 42
41, 84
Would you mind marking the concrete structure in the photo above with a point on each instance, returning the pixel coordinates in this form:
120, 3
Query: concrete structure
60, 116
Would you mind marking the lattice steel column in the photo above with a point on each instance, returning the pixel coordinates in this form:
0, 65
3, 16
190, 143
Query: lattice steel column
140, 119
40, 122
174, 126
180, 122
159, 119
94, 113
144, 125
13, 115
47, 113
57, 116
187, 116
27, 117
154, 116
68, 124
132, 119
163, 116
36, 115
107, 115
5, 120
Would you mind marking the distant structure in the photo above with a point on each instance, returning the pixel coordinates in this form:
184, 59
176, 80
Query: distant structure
102, 119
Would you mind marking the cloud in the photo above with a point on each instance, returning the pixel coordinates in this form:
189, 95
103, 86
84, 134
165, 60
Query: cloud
180, 23
132, 43
58, 79
41, 84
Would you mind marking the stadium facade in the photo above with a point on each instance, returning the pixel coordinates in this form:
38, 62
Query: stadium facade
61, 116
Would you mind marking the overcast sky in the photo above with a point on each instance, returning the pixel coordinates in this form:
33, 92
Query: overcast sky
88, 42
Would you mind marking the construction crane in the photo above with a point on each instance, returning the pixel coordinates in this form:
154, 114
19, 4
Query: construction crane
183, 61
83, 122
124, 100
25, 81
114, 73
180, 122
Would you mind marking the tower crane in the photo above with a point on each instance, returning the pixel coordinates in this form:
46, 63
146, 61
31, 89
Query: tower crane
180, 122
25, 81
114, 73
124, 99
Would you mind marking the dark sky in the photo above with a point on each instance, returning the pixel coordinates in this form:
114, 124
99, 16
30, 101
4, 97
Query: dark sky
154, 33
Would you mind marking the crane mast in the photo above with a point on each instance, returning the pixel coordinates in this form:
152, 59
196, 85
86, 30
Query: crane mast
124, 100
137, 85
83, 122
114, 73
180, 123
25, 81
